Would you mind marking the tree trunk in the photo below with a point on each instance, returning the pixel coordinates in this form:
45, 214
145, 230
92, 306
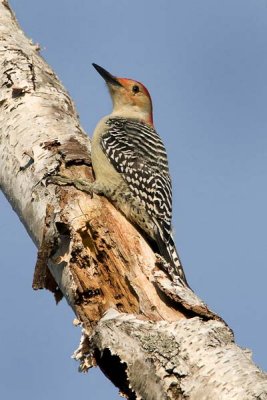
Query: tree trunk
153, 337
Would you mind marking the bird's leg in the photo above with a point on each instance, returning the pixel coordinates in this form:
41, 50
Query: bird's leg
80, 184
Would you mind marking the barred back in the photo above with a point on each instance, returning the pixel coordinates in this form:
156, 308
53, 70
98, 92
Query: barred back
136, 151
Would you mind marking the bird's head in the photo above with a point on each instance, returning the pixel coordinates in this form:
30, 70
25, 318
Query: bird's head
130, 98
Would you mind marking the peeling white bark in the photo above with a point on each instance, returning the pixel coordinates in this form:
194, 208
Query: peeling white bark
153, 337
188, 359
36, 115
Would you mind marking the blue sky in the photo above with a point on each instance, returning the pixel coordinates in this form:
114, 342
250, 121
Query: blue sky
205, 65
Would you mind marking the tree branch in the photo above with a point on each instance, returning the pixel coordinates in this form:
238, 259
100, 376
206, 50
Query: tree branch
152, 336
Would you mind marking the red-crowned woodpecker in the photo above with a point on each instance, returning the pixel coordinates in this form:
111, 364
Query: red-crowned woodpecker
131, 167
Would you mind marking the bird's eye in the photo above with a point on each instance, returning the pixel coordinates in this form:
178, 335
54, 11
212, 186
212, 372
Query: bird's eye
135, 89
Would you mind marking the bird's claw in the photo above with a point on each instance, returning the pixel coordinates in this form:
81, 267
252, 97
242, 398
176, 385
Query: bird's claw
79, 184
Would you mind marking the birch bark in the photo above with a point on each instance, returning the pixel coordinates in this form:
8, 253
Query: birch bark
151, 336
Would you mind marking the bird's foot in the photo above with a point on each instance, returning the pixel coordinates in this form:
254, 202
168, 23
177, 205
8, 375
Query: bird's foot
80, 184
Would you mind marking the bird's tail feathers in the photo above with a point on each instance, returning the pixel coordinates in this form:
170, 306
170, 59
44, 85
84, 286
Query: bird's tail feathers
169, 253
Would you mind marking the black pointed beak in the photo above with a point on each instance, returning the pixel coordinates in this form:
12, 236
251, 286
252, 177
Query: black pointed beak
106, 75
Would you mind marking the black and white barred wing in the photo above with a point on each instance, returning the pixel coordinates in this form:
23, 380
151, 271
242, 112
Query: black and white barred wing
138, 154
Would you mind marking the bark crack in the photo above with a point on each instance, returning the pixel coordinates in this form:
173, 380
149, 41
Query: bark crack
152, 336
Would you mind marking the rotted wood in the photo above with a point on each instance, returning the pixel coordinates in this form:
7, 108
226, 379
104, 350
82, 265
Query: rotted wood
107, 261
152, 336
84, 241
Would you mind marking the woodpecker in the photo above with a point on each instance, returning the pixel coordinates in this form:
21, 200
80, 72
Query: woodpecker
131, 166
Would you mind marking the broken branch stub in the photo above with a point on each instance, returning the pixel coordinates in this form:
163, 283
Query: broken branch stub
153, 337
